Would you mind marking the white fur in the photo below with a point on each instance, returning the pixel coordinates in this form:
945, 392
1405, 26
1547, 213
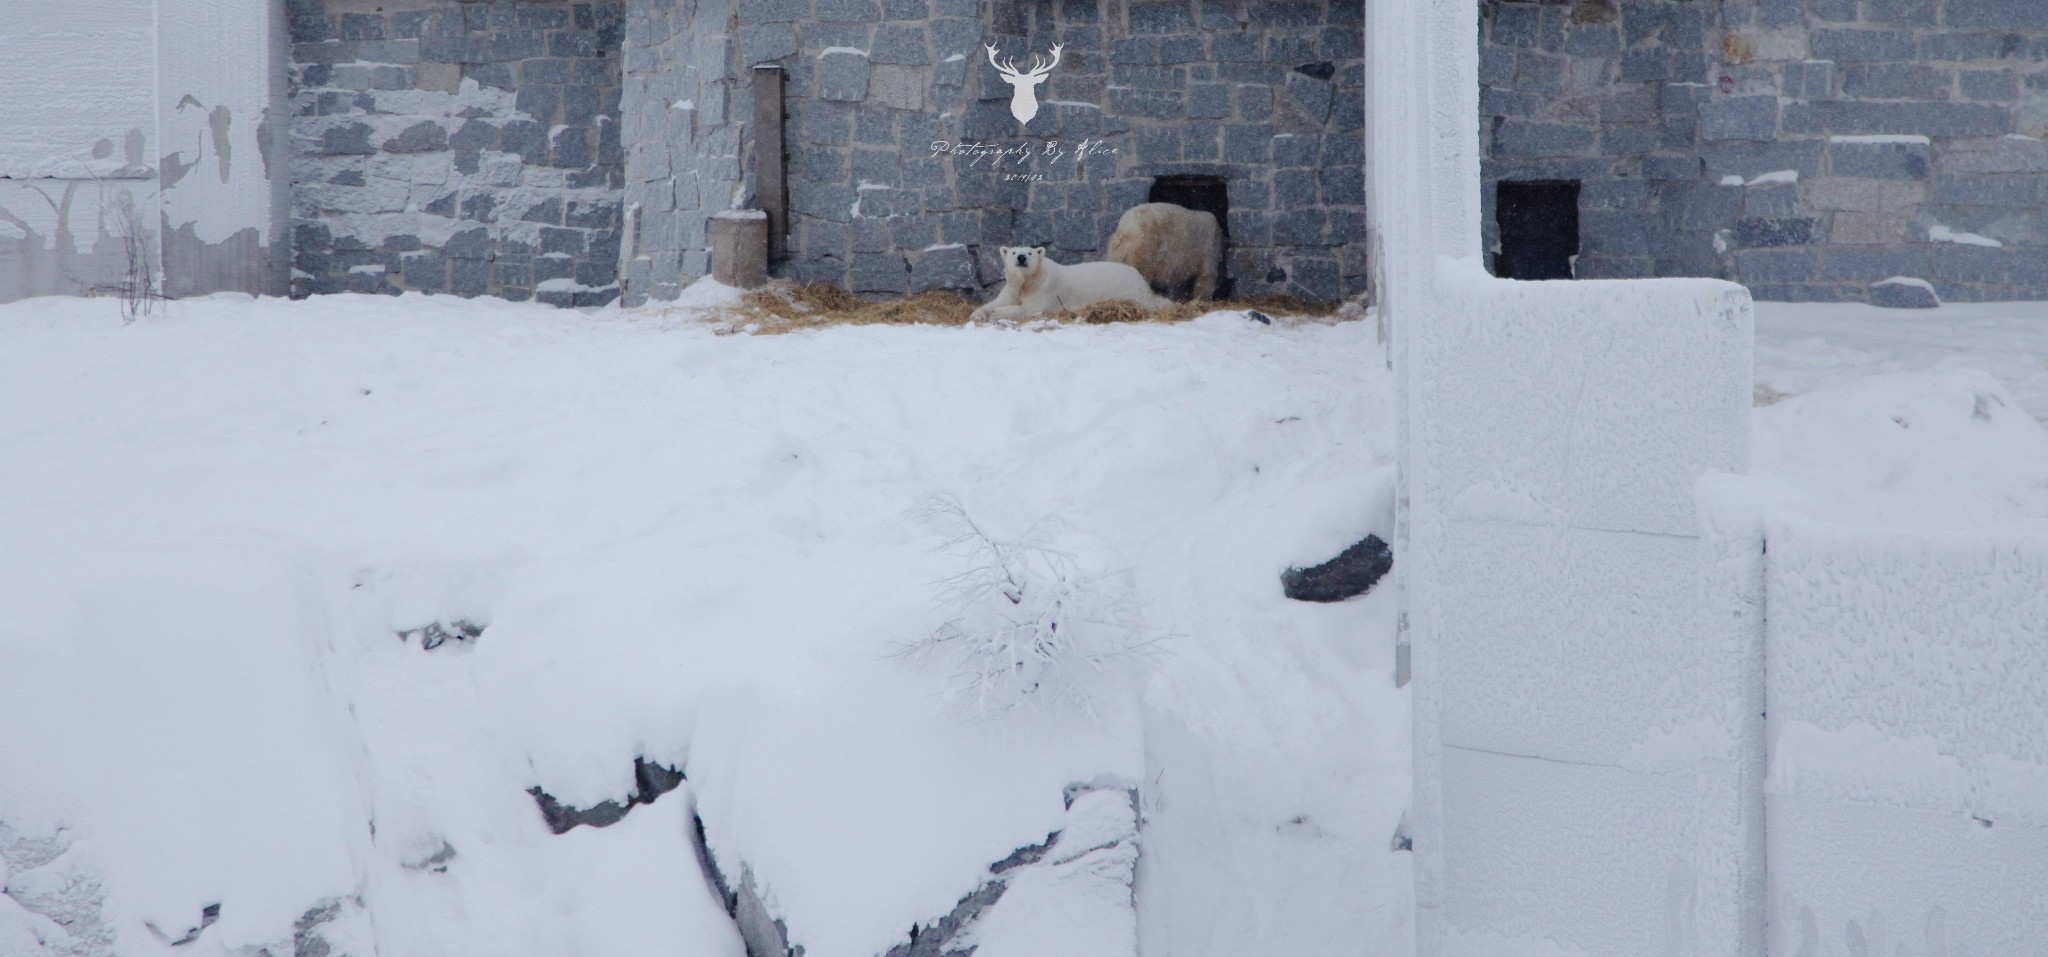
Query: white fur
1034, 285
1170, 246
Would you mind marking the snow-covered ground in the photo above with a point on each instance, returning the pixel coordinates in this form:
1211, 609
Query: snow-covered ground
1905, 418
221, 529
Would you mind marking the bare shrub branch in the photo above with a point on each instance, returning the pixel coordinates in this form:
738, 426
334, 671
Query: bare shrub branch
1025, 624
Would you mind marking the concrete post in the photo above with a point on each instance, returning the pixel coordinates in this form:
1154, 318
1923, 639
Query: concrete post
1584, 762
739, 248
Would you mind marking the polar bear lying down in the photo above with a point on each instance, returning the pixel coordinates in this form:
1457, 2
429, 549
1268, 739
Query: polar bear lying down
1034, 285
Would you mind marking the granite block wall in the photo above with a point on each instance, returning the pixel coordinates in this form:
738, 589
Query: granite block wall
1806, 148
906, 168
686, 107
471, 148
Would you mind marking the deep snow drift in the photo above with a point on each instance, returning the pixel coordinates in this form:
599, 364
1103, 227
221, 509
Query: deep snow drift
227, 527
1927, 419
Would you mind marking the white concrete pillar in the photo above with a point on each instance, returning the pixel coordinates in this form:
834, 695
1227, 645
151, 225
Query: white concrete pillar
1585, 747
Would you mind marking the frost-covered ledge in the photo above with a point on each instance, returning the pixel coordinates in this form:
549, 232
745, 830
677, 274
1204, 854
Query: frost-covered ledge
1587, 761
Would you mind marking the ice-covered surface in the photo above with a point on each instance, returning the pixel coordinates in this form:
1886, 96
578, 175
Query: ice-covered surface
1589, 727
1908, 740
1903, 493
680, 546
1539, 423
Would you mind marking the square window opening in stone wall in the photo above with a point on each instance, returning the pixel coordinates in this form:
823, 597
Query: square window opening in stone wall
1207, 194
1539, 228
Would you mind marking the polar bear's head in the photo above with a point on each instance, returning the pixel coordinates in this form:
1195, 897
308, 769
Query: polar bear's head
1021, 262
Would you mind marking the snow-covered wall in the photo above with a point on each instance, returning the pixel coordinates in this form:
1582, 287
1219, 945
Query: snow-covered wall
135, 138
77, 142
1584, 754
1908, 786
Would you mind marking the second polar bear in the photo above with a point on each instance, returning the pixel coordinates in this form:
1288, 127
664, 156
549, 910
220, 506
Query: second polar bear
1170, 246
1034, 285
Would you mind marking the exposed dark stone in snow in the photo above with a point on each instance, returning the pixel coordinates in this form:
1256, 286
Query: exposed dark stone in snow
309, 931
763, 934
767, 936
1257, 316
38, 875
435, 635
650, 781
436, 862
1903, 295
207, 915
1402, 841
1352, 573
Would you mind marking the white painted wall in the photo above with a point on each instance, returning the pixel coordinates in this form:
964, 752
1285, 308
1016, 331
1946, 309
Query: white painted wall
220, 70
80, 81
1908, 787
111, 106
1587, 754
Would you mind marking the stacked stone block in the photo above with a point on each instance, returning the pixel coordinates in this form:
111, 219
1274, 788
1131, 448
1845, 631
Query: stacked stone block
1807, 148
471, 148
685, 101
907, 169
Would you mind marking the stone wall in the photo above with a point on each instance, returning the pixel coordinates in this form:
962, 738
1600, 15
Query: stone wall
684, 106
1267, 98
463, 147
1912, 127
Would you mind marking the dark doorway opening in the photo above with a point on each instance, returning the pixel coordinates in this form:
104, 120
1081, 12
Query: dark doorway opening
1539, 228
1207, 194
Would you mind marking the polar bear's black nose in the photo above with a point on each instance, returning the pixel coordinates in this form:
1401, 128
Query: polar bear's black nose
1021, 259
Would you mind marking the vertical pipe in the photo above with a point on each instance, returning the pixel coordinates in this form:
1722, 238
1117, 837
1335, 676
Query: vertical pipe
771, 182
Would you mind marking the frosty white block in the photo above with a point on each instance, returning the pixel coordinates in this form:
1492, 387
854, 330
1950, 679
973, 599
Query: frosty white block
1581, 646
1908, 785
1549, 560
1850, 879
1583, 738
1544, 857
1592, 404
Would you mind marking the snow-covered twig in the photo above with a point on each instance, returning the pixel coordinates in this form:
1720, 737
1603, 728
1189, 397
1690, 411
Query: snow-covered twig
1025, 624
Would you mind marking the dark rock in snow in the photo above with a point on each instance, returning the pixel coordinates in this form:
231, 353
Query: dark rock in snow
650, 781
437, 634
436, 862
207, 915
767, 936
1900, 294
1352, 573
